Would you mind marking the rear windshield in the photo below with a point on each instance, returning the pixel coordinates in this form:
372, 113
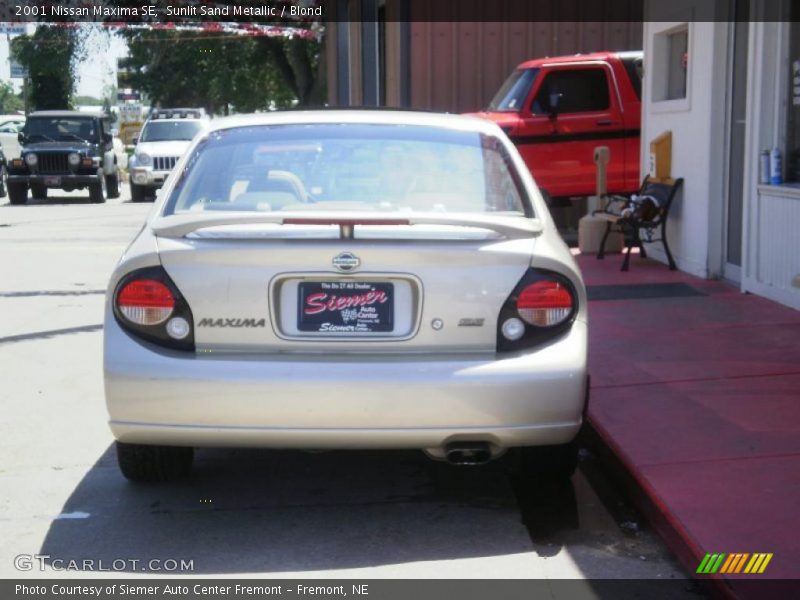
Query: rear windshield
514, 91
162, 131
349, 167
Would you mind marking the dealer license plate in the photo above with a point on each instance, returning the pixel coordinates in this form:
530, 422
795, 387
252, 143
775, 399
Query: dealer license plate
345, 307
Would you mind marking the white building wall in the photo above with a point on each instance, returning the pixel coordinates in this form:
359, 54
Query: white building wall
697, 124
700, 137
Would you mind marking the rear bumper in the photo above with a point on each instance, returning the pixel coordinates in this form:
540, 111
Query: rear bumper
318, 401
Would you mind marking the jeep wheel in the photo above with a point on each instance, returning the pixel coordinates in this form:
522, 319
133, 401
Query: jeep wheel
17, 193
112, 185
97, 191
139, 462
3, 176
38, 191
137, 193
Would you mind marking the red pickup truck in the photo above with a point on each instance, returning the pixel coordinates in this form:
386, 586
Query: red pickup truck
558, 110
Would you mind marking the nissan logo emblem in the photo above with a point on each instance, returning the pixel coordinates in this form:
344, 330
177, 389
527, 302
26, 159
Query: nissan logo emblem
346, 261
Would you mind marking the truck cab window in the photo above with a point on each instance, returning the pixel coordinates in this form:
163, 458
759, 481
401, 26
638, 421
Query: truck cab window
582, 90
514, 91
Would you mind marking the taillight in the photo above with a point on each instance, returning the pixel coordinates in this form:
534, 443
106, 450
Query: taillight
145, 302
542, 305
148, 304
545, 303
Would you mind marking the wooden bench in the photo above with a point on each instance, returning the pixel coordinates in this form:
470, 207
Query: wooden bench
631, 226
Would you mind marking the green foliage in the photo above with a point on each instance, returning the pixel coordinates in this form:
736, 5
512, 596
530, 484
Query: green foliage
9, 101
222, 72
49, 55
87, 101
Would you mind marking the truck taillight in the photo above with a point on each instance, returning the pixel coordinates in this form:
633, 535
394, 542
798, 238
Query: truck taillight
542, 305
148, 305
545, 303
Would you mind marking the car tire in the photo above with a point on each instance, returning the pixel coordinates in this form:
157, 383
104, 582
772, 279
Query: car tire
138, 193
17, 193
154, 464
3, 179
97, 191
112, 185
39, 192
553, 463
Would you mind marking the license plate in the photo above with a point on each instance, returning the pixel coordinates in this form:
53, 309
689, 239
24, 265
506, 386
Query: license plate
52, 181
345, 307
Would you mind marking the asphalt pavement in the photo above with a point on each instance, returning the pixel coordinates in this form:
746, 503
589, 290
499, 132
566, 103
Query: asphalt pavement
246, 512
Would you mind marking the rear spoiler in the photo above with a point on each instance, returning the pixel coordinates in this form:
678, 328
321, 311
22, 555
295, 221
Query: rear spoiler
178, 226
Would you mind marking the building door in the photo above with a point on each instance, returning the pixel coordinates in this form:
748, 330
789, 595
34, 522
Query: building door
732, 250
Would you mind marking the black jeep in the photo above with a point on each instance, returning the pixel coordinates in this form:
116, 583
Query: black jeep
67, 150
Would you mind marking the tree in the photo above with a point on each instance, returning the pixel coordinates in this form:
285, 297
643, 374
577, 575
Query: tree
223, 72
9, 101
301, 65
49, 55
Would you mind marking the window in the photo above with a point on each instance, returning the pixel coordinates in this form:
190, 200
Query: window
580, 90
514, 91
671, 65
349, 167
678, 49
52, 129
793, 105
11, 127
161, 131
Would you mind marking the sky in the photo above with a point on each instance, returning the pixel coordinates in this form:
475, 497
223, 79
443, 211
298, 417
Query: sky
100, 67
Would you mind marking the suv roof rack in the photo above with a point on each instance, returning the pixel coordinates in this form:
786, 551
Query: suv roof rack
178, 113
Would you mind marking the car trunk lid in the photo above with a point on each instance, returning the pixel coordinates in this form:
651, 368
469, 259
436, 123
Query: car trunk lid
297, 283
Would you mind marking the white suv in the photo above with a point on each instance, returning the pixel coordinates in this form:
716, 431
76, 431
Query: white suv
164, 138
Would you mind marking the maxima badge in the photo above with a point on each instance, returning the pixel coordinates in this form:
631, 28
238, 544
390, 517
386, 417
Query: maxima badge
346, 261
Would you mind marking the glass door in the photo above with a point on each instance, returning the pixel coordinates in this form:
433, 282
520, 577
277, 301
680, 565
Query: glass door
738, 120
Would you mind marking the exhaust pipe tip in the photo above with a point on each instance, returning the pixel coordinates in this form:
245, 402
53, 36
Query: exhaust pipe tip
468, 453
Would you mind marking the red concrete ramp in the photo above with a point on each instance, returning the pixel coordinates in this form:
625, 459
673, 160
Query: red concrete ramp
698, 394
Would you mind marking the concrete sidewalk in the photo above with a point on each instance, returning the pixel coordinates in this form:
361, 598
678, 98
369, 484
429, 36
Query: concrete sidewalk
696, 389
